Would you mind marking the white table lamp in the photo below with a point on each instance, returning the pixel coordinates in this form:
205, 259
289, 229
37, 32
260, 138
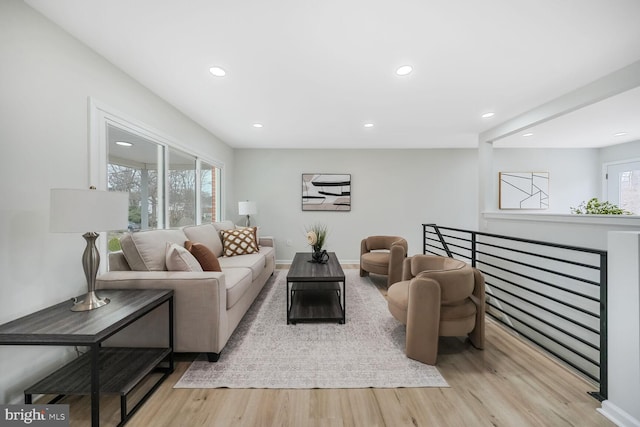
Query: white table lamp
89, 212
247, 208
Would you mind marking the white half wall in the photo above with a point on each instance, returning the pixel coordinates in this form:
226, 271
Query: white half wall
393, 192
621, 406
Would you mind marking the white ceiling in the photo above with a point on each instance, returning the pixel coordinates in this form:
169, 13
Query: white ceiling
597, 125
313, 72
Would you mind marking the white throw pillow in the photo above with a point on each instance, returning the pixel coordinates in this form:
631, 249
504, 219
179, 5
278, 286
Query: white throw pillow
180, 259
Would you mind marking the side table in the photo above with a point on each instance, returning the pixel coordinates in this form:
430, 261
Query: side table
100, 370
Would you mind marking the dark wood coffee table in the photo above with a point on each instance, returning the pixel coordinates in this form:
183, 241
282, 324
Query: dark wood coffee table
315, 292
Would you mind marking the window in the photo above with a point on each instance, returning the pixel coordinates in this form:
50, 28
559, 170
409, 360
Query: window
133, 167
167, 185
182, 189
623, 185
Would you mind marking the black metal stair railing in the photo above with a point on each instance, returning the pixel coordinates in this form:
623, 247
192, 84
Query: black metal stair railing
553, 295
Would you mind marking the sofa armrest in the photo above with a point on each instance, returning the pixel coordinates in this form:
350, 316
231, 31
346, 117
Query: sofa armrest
397, 255
200, 301
267, 241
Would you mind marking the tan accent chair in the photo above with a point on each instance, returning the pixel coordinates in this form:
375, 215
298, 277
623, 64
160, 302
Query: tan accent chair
438, 296
383, 255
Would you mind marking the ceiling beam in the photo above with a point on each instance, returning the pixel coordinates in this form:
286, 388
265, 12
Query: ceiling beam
612, 84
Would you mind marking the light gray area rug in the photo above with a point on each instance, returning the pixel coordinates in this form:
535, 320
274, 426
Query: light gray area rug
265, 352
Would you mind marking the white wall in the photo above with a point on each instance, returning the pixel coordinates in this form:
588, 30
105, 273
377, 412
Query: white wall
616, 153
574, 174
46, 78
393, 192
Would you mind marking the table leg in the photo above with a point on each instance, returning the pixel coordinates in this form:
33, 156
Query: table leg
288, 311
95, 385
171, 334
344, 301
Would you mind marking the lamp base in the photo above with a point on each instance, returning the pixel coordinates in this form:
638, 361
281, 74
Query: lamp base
90, 302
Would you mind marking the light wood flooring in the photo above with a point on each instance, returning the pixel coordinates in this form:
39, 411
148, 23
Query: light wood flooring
510, 383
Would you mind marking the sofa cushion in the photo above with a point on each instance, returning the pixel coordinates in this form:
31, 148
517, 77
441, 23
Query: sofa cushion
146, 250
238, 281
224, 225
178, 258
207, 259
239, 242
206, 234
255, 262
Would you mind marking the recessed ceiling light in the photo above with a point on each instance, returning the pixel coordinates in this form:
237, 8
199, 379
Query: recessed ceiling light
620, 134
257, 125
368, 125
124, 143
217, 71
488, 114
404, 70
527, 134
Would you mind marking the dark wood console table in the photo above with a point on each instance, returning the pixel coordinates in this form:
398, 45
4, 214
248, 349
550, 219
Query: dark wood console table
315, 292
100, 370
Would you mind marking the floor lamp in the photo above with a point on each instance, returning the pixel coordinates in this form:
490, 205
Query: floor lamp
89, 212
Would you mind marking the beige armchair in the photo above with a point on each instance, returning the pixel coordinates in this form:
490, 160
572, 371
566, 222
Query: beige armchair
383, 255
438, 296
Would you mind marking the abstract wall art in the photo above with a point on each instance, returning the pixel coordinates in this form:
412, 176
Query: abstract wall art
326, 192
524, 190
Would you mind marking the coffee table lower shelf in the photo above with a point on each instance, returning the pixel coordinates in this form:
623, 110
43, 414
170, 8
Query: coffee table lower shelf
121, 369
316, 302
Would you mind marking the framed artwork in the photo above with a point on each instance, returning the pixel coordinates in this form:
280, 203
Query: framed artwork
524, 190
326, 192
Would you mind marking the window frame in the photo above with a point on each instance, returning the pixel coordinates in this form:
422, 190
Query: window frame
100, 116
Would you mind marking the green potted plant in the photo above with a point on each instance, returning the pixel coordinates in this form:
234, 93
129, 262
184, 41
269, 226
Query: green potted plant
596, 207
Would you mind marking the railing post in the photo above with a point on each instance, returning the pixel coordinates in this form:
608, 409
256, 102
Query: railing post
604, 360
473, 249
424, 238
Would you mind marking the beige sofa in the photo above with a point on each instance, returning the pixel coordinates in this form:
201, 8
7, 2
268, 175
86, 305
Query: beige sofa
208, 305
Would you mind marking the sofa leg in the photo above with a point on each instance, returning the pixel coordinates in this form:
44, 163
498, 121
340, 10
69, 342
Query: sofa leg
213, 357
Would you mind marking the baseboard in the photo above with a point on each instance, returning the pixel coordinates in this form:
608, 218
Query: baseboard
617, 415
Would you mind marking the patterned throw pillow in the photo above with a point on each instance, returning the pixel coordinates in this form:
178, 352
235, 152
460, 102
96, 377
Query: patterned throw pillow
239, 241
207, 259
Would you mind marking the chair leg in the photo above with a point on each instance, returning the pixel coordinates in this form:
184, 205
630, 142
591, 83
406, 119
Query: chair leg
363, 273
423, 320
476, 336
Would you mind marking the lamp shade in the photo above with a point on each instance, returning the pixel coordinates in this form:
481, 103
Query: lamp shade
247, 208
81, 211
